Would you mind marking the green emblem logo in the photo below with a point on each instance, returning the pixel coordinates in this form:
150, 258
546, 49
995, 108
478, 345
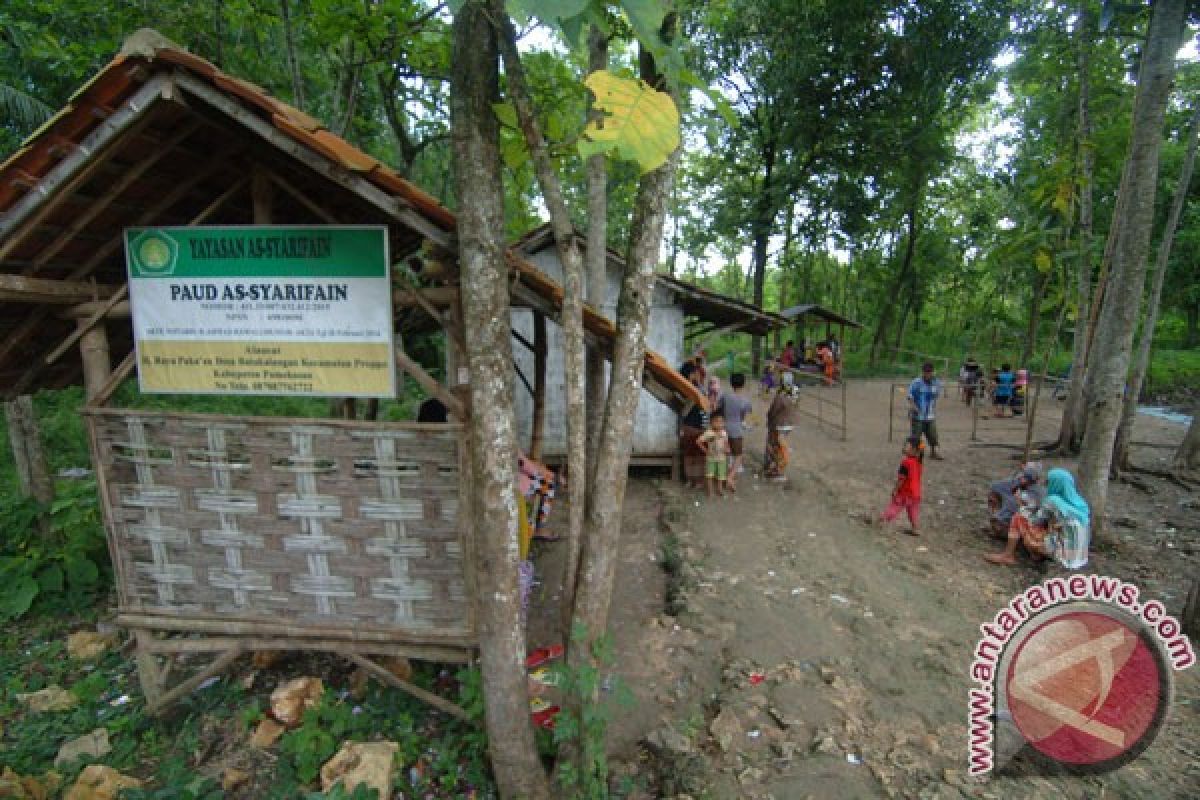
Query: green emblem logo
154, 253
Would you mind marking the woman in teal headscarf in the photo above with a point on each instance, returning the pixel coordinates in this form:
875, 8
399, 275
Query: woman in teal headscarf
1061, 530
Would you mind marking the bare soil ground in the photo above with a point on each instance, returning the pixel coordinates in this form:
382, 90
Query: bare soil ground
815, 655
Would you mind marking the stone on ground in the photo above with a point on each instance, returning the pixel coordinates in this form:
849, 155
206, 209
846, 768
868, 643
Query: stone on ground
292, 699
52, 698
94, 745
88, 645
98, 782
368, 763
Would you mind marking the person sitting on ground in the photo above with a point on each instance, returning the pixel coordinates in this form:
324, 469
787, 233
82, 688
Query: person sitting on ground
735, 406
715, 443
1007, 498
1060, 530
1004, 389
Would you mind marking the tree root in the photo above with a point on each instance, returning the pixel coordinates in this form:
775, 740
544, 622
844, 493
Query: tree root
1174, 477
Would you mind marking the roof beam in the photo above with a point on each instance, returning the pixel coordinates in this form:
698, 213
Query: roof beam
126, 180
76, 168
394, 207
21, 289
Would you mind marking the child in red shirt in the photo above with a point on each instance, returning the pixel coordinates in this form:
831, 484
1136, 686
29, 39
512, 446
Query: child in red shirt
907, 494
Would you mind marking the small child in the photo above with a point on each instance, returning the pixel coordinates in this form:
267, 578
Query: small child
907, 494
715, 444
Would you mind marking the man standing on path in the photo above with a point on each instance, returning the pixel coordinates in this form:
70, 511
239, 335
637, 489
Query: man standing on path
923, 393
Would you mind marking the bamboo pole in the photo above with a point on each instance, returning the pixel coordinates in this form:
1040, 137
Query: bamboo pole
219, 665
891, 409
440, 703
97, 362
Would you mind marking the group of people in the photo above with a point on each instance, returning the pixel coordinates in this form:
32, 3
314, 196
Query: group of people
712, 436
1006, 387
825, 356
1049, 522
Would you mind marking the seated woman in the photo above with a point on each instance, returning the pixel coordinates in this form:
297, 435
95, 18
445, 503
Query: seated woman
1060, 530
1019, 494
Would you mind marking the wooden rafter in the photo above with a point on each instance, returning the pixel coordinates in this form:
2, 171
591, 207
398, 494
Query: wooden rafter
78, 166
22, 289
87, 324
35, 318
127, 179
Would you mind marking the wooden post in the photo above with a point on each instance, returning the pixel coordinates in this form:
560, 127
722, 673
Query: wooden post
978, 394
840, 361
28, 455
97, 362
891, 408
539, 386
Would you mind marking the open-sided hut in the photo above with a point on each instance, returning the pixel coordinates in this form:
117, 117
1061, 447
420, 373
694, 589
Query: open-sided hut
340, 535
678, 311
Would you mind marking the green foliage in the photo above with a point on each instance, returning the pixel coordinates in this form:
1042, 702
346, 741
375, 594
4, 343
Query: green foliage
64, 563
584, 686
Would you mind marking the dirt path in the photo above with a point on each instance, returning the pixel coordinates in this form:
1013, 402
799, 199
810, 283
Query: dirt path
821, 657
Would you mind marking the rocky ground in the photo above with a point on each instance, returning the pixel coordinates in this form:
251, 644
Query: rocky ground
811, 654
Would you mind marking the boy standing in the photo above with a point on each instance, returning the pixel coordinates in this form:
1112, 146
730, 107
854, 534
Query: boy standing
923, 393
735, 407
715, 443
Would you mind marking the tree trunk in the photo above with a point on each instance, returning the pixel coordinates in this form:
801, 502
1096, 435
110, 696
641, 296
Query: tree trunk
764, 216
293, 57
1142, 361
606, 499
1114, 333
1191, 332
574, 360
1187, 457
597, 262
885, 314
1071, 427
491, 427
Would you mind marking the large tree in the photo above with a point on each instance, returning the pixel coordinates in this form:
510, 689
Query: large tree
492, 455
1108, 363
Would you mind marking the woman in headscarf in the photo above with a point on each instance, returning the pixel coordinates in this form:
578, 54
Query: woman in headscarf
1061, 530
779, 424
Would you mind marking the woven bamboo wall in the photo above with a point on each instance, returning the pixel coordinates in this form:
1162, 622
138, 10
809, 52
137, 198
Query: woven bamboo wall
325, 524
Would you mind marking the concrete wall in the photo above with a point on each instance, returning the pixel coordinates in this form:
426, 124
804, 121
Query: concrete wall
655, 430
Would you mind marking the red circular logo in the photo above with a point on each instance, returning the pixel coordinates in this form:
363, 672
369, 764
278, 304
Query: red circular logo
1088, 688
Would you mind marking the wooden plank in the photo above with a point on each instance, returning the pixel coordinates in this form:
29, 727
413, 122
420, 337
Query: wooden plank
438, 296
97, 361
86, 325
70, 173
22, 289
394, 207
115, 379
428, 383
440, 703
118, 310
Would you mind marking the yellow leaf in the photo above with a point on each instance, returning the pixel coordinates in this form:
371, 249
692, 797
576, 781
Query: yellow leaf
640, 123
